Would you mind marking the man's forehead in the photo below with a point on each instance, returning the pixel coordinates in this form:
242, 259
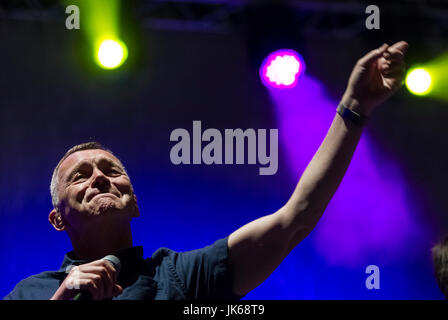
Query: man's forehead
90, 155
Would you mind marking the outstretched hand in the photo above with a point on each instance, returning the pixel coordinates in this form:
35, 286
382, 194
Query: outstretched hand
375, 77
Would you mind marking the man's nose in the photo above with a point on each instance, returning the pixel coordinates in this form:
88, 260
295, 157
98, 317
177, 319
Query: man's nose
100, 180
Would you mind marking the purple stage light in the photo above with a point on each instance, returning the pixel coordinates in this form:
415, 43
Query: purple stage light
282, 69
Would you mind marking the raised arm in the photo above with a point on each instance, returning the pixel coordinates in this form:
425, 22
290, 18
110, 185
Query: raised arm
258, 248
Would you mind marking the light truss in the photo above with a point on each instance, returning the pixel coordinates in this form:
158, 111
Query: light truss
334, 18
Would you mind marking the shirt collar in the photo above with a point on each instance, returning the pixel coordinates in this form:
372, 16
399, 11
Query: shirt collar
131, 260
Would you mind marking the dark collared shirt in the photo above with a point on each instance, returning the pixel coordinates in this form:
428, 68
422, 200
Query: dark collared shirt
168, 275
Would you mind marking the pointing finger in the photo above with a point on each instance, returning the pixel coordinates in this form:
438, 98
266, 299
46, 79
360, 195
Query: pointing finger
372, 55
393, 54
401, 46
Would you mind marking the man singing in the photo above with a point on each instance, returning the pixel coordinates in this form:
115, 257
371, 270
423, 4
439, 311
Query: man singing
94, 203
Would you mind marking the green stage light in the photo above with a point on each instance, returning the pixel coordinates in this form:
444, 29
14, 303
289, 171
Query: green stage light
112, 54
418, 81
101, 24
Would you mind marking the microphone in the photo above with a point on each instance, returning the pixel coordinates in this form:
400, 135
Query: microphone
115, 262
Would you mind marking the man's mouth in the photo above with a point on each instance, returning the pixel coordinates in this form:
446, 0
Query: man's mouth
109, 195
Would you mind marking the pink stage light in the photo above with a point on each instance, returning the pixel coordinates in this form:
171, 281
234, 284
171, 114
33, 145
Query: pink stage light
282, 69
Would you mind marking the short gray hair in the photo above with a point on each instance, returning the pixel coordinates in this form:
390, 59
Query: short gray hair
440, 259
80, 147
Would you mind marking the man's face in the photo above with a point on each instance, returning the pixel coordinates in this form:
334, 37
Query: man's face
92, 183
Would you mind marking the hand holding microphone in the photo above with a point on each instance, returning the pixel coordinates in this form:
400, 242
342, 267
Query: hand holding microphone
96, 280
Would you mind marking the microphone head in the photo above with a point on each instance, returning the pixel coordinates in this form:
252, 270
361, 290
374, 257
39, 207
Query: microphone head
115, 262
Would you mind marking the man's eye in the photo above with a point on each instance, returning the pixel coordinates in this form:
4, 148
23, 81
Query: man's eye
78, 176
114, 172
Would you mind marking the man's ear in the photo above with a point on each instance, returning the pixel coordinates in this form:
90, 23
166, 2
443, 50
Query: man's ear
56, 220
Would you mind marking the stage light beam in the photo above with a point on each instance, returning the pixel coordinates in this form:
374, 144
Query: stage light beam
418, 81
112, 54
282, 69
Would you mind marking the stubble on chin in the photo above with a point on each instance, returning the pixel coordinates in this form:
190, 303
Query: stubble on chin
103, 206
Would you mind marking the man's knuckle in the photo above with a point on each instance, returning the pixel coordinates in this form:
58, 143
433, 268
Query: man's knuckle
73, 270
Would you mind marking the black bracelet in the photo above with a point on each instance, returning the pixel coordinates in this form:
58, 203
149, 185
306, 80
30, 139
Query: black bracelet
351, 115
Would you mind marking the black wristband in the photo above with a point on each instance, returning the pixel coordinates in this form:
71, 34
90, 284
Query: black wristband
351, 115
